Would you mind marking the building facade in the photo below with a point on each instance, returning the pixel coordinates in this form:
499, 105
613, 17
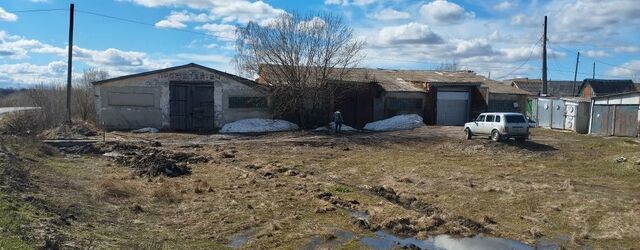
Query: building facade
190, 97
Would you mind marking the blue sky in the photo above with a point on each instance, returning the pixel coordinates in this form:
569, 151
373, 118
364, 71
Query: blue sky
497, 36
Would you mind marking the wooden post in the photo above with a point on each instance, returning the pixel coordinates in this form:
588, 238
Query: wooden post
69, 64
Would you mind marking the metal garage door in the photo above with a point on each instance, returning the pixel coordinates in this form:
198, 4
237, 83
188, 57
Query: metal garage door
557, 114
602, 120
544, 113
626, 121
191, 107
452, 108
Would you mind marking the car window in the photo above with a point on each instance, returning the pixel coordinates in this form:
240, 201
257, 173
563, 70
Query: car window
490, 118
515, 119
480, 118
497, 118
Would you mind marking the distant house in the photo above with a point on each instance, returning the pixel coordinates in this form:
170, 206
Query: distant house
440, 97
554, 88
599, 87
190, 97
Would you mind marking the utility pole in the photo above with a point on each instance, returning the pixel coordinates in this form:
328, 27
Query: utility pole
544, 59
69, 64
594, 71
575, 74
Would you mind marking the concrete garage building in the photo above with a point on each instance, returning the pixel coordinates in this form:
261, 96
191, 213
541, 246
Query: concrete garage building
440, 97
190, 97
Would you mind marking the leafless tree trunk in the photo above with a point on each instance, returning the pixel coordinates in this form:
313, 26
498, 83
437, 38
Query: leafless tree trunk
297, 54
83, 97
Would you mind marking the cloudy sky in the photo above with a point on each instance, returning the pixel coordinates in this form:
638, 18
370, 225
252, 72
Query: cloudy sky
502, 37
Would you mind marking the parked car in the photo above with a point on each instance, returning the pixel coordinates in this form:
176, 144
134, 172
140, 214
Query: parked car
499, 126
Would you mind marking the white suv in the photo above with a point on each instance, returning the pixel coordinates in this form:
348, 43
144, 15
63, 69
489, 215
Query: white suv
499, 126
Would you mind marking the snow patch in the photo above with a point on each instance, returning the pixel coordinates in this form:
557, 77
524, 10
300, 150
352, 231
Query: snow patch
399, 122
146, 130
258, 125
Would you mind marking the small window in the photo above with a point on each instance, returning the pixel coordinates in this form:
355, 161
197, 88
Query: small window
480, 118
515, 119
497, 118
247, 102
490, 118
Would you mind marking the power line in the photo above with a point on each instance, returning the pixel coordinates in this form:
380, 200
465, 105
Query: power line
114, 18
532, 49
143, 23
594, 59
35, 10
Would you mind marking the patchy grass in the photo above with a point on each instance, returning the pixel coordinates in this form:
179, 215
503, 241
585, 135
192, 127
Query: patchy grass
556, 185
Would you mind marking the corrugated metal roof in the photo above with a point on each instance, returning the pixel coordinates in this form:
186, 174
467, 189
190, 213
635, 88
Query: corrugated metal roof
415, 80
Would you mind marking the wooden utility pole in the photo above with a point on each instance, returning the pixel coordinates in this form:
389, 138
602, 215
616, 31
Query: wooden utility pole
69, 64
544, 59
594, 71
575, 74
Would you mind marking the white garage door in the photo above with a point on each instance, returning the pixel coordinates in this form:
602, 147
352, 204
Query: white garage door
451, 108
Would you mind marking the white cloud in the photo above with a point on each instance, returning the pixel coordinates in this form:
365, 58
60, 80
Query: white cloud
630, 69
388, 14
444, 12
594, 15
170, 24
627, 49
411, 33
349, 2
596, 53
314, 23
505, 5
473, 48
223, 32
241, 11
525, 20
6, 16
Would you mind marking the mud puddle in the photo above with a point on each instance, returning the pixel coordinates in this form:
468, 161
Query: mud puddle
384, 240
242, 238
330, 241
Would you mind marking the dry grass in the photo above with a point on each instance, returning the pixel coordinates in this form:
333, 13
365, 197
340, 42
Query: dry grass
116, 190
561, 184
167, 192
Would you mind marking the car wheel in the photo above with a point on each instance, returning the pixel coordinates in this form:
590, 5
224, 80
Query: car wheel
495, 135
467, 133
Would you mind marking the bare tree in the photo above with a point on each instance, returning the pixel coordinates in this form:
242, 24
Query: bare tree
298, 55
84, 97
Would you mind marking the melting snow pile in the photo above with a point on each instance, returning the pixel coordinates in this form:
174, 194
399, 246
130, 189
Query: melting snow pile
332, 127
400, 122
258, 125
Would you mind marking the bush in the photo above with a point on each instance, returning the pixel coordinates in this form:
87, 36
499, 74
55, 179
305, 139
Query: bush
52, 99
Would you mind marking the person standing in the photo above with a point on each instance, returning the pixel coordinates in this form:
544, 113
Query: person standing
337, 120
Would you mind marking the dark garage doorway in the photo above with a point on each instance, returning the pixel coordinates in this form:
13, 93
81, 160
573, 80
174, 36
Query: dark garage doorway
191, 106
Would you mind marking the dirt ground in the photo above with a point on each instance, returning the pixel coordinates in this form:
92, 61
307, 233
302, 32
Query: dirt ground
308, 190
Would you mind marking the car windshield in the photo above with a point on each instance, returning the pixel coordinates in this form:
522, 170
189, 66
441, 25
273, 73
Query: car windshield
515, 119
